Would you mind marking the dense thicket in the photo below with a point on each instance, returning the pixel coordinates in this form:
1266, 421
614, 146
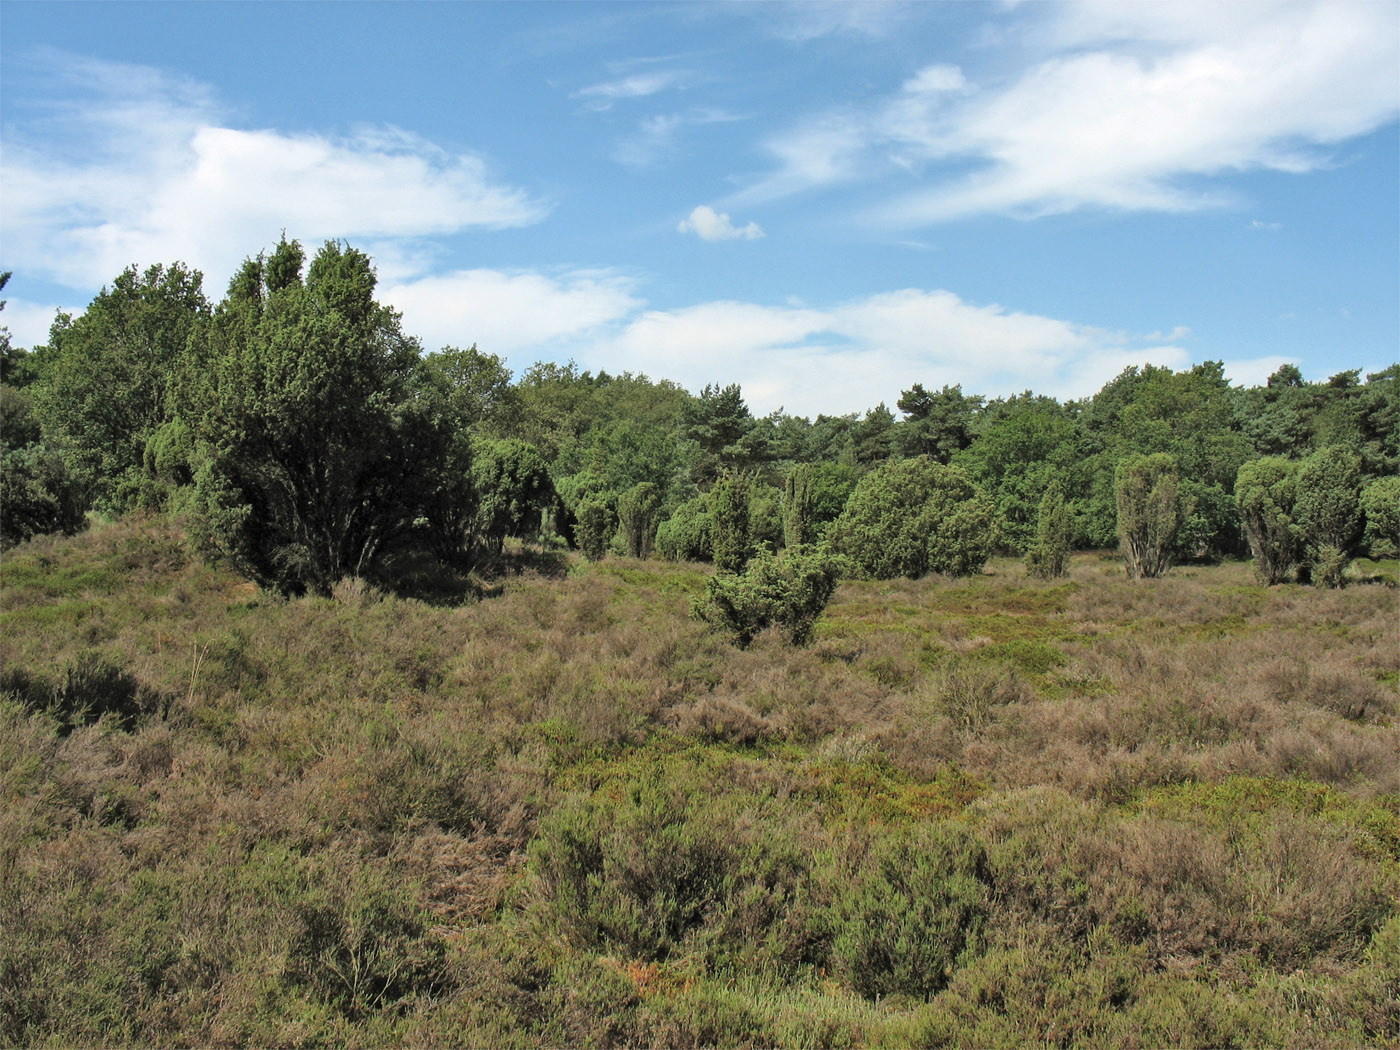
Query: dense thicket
313, 439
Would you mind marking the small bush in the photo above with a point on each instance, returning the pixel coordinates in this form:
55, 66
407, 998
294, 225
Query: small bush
788, 591
912, 914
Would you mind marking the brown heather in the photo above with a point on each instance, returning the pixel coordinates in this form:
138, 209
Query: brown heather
990, 811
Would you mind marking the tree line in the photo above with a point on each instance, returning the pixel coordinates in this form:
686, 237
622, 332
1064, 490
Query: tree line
307, 438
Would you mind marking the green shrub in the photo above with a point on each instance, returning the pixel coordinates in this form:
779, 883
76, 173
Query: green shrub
1151, 510
1329, 511
912, 913
729, 502
687, 535
911, 517
1048, 557
1380, 502
637, 876
594, 528
636, 510
788, 591
1266, 491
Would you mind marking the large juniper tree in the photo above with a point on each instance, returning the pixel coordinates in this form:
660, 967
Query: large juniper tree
303, 398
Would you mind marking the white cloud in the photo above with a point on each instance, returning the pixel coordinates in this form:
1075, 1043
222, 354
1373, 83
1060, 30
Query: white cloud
834, 359
1255, 371
163, 177
509, 313
710, 225
29, 322
601, 96
1131, 103
853, 355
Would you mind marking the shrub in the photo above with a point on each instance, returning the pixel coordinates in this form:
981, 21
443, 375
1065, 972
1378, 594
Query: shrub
1151, 509
38, 494
1329, 510
636, 510
638, 875
687, 535
1049, 555
729, 501
1266, 492
797, 506
1380, 502
912, 914
788, 591
594, 528
914, 516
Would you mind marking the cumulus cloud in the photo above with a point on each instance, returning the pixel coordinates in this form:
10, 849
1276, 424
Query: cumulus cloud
1127, 106
164, 176
710, 225
509, 313
810, 359
850, 356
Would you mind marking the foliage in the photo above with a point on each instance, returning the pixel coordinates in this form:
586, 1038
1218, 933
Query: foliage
1380, 503
797, 506
513, 490
636, 511
1049, 556
38, 494
1151, 510
1328, 509
1266, 491
109, 374
594, 528
915, 516
731, 536
913, 913
725, 432
688, 534
787, 590
318, 459
937, 425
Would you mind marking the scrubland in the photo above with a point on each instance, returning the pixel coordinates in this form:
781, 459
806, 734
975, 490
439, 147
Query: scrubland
992, 811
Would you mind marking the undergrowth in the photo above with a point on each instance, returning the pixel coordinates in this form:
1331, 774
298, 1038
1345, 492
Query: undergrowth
988, 811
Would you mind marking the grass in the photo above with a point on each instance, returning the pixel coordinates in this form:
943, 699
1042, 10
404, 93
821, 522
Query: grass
1092, 812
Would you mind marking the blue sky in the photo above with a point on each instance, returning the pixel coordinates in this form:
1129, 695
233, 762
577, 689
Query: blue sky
823, 202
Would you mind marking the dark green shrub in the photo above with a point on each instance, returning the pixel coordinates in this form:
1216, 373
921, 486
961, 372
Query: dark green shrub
1329, 511
636, 511
1048, 556
729, 503
911, 517
797, 506
594, 528
1380, 502
687, 535
788, 591
1266, 491
38, 494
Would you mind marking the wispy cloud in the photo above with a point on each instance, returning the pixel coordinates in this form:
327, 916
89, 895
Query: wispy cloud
162, 175
603, 96
710, 225
1132, 105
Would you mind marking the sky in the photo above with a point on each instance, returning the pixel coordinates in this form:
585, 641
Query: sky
823, 202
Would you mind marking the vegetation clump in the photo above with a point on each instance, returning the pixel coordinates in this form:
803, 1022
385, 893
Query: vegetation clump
788, 591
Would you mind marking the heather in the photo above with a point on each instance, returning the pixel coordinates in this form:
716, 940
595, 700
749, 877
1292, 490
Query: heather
557, 808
